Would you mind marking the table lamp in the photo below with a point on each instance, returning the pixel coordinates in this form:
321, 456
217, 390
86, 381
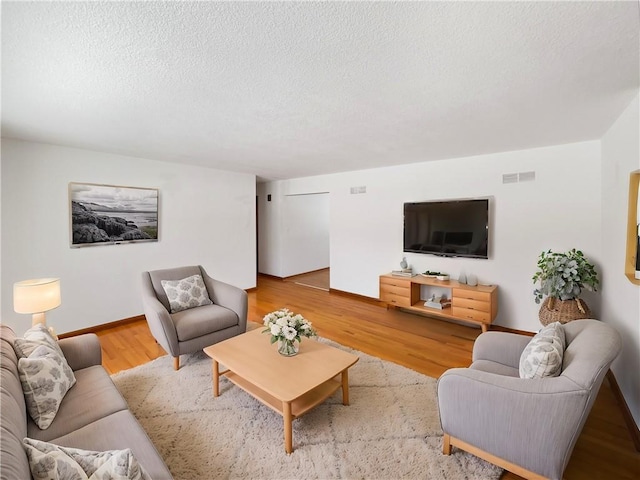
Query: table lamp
36, 296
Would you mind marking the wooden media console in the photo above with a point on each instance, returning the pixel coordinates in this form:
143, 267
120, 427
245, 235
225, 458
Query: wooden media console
475, 304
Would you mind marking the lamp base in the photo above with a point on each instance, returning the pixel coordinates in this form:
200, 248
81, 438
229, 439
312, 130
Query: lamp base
37, 318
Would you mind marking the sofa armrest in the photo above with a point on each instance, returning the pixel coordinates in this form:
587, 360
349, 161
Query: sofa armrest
82, 351
500, 347
505, 416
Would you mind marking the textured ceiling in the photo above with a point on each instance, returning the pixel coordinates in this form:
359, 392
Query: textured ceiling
292, 89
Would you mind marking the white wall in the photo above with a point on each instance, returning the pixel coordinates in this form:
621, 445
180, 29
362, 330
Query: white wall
559, 210
293, 231
206, 217
621, 298
269, 229
306, 233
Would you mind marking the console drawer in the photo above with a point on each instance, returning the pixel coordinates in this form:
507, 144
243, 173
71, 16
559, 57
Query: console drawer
395, 282
471, 304
396, 290
468, 314
395, 299
471, 294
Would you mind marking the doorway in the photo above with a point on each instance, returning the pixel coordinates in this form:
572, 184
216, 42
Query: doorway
318, 279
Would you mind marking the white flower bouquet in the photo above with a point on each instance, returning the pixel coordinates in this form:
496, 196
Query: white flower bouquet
287, 329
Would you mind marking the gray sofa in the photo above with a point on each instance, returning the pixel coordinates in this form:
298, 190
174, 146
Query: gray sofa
92, 416
527, 426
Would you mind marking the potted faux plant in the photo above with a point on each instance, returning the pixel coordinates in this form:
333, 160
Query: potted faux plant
562, 278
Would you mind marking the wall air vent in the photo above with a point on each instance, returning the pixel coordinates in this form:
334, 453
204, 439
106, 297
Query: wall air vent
518, 177
510, 178
526, 176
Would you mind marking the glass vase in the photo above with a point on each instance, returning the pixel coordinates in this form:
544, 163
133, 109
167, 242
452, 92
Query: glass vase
288, 348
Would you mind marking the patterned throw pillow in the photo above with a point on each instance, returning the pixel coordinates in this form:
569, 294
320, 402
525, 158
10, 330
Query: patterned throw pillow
187, 293
542, 357
47, 460
46, 378
34, 337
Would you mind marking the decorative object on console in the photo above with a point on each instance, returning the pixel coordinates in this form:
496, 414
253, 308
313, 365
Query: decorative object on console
438, 302
287, 328
462, 278
36, 296
562, 278
472, 280
402, 273
403, 264
431, 274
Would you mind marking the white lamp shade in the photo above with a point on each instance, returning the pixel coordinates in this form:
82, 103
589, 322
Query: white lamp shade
36, 296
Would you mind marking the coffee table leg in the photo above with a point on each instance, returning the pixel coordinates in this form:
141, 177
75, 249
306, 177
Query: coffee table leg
345, 387
216, 378
288, 428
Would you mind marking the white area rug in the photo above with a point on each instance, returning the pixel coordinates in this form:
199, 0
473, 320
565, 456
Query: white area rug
391, 430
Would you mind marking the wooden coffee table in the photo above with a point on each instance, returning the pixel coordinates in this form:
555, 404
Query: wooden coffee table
289, 385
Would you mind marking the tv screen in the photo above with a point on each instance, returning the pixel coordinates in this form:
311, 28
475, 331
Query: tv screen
454, 228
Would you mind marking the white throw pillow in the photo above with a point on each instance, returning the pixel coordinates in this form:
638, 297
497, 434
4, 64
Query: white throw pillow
46, 378
50, 461
542, 357
187, 293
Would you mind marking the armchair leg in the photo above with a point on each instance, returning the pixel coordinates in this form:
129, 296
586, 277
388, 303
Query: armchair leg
176, 362
446, 444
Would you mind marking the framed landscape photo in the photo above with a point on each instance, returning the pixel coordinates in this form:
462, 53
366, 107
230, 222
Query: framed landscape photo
111, 214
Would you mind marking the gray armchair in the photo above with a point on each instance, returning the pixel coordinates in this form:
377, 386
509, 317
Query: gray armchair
527, 426
191, 330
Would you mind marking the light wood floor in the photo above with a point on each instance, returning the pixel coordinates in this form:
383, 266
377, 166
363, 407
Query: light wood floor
604, 450
317, 279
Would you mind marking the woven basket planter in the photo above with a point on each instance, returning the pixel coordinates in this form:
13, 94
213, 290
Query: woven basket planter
563, 311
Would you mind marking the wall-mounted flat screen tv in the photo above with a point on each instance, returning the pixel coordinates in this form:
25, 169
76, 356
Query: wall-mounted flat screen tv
452, 228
